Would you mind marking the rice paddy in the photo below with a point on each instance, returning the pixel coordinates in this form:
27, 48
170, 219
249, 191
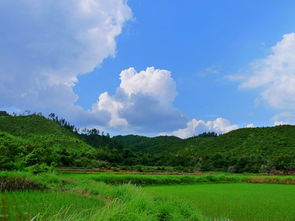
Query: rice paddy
239, 201
40, 205
109, 197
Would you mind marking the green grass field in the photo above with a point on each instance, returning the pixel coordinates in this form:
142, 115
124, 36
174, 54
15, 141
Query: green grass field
108, 197
83, 198
239, 201
44, 205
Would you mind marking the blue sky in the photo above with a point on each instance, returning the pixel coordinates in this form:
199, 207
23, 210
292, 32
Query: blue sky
204, 44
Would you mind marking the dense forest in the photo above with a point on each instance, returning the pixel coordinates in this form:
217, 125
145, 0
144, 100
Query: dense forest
38, 143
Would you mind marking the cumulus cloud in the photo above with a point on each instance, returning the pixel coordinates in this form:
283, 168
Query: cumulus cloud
251, 125
280, 123
195, 127
46, 44
275, 75
142, 102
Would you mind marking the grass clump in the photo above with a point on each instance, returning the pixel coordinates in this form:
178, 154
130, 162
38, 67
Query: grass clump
131, 203
18, 181
272, 179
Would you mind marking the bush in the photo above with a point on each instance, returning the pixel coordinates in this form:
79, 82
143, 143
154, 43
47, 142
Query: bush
39, 168
12, 183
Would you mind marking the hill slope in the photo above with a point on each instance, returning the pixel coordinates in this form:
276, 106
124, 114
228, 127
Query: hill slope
25, 126
266, 139
36, 140
269, 147
243, 150
144, 144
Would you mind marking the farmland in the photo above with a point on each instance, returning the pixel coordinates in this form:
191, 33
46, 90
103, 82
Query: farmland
236, 201
53, 196
82, 198
43, 205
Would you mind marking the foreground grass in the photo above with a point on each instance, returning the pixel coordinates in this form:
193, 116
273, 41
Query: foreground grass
44, 205
84, 199
94, 197
239, 201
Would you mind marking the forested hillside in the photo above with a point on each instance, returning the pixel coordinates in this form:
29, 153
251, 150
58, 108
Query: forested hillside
144, 144
34, 141
39, 143
246, 149
32, 125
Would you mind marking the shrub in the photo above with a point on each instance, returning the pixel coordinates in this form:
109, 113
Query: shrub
11, 183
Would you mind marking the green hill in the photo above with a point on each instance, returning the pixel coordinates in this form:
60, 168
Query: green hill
248, 149
38, 129
144, 144
25, 126
269, 140
244, 150
34, 140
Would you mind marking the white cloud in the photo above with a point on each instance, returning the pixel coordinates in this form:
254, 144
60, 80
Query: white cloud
152, 82
195, 127
275, 75
211, 70
112, 106
284, 117
46, 44
280, 123
251, 125
142, 102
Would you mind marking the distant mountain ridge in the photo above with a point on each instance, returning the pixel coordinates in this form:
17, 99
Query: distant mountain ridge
35, 140
242, 150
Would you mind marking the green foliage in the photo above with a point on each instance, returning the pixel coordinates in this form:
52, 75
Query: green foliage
32, 125
4, 113
245, 150
18, 181
144, 144
83, 199
38, 143
12, 151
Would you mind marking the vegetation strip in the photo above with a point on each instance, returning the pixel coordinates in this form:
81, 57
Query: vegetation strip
117, 179
38, 144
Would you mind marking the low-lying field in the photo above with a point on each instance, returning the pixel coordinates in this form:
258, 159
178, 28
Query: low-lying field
113, 197
83, 198
239, 201
141, 179
44, 205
